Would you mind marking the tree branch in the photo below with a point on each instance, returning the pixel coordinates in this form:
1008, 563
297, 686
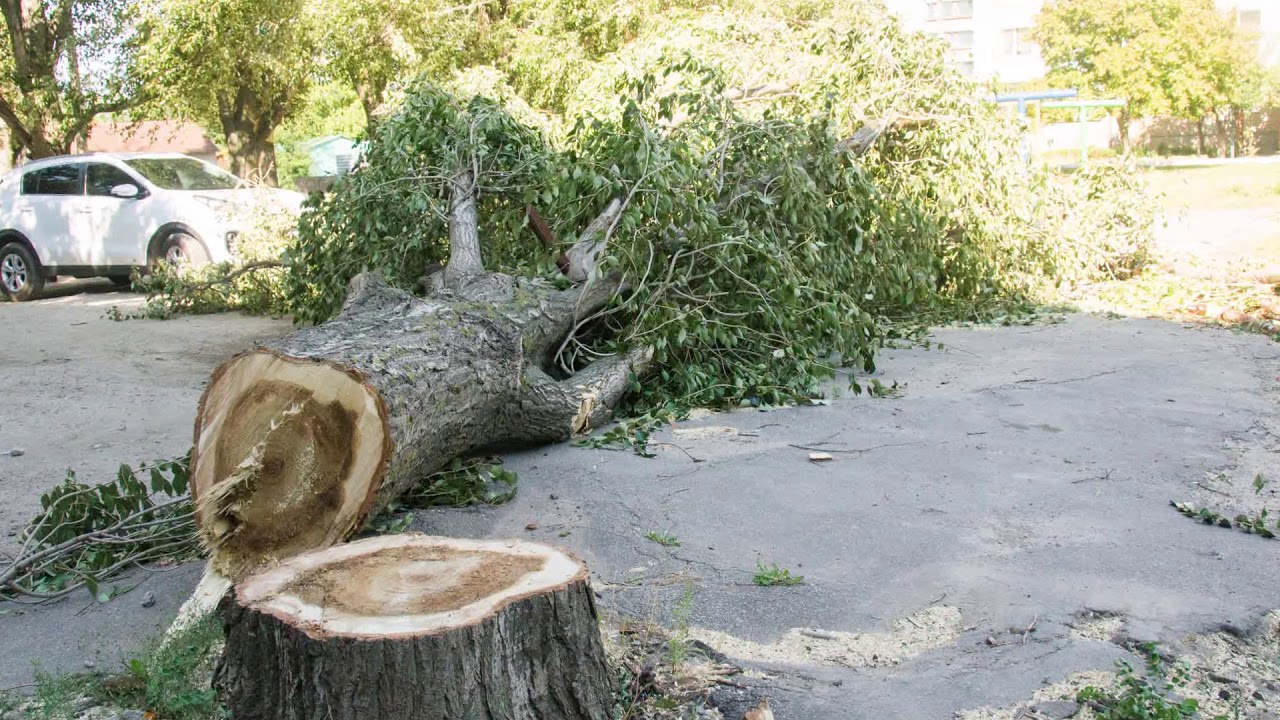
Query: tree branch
464, 230
16, 25
90, 115
10, 117
579, 261
866, 136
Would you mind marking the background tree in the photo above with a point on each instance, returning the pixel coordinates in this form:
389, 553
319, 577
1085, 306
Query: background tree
63, 63
241, 65
370, 44
1163, 56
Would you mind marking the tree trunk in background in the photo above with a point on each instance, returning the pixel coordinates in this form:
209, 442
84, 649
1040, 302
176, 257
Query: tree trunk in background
416, 627
248, 124
371, 95
1200, 134
253, 159
1123, 122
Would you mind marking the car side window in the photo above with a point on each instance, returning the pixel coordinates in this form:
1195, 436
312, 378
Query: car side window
102, 177
54, 180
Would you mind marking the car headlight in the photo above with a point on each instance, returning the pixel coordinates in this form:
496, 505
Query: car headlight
221, 208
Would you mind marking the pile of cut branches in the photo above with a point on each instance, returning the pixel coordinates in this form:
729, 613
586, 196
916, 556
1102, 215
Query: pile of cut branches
88, 534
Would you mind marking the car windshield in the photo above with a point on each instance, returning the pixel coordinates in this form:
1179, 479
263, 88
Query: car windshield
183, 174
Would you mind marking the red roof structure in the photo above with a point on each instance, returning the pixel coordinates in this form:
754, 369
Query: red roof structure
149, 136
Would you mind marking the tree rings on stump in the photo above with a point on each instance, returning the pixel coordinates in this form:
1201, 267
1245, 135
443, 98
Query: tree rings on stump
288, 457
412, 626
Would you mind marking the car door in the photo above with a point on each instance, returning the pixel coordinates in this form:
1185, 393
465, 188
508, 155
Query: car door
121, 224
55, 217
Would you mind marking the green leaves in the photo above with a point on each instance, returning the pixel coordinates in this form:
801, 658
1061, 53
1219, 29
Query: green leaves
465, 482
1150, 696
749, 227
87, 534
771, 576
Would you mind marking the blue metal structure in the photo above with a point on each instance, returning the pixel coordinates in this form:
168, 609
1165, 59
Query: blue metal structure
1022, 98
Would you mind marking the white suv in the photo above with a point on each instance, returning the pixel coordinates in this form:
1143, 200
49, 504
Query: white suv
106, 214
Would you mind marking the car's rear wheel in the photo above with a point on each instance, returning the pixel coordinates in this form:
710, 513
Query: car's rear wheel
183, 250
21, 277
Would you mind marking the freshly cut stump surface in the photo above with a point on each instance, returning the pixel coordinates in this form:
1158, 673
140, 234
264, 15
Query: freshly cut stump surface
416, 627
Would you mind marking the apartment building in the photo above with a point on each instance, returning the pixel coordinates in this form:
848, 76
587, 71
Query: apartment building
990, 39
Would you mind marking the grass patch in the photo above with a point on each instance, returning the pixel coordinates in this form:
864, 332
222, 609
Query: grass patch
170, 680
773, 576
664, 539
1220, 187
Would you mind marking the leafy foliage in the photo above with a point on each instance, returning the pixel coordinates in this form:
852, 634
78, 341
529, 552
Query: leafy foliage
1143, 697
631, 433
663, 538
171, 680
1180, 57
239, 65
465, 482
759, 250
87, 533
769, 576
1260, 523
252, 284
62, 64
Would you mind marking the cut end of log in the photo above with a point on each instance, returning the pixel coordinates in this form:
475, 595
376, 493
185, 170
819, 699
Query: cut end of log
287, 457
406, 585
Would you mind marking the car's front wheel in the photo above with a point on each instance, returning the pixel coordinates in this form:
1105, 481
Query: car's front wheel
21, 277
183, 250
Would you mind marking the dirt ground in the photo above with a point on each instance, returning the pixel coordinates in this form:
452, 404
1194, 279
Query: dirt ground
87, 393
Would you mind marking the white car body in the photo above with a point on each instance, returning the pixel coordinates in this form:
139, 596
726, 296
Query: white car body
89, 225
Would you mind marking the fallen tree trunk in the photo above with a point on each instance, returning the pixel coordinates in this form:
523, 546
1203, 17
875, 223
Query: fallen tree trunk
410, 626
299, 442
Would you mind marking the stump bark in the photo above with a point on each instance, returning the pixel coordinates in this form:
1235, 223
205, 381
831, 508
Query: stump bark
419, 628
300, 441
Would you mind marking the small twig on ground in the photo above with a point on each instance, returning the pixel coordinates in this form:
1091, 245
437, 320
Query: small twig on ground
1030, 629
686, 452
1104, 476
855, 451
1212, 490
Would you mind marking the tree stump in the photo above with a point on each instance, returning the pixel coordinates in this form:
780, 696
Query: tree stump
416, 627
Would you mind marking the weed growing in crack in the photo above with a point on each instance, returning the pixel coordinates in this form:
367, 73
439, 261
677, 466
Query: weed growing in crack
1149, 696
678, 642
767, 576
663, 538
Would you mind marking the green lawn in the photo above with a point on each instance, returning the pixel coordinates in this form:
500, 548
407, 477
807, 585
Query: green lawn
1221, 187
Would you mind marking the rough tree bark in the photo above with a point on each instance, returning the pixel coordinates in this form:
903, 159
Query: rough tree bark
299, 442
248, 123
415, 627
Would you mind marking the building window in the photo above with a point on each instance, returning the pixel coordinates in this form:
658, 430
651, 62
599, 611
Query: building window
1017, 41
960, 40
965, 68
950, 9
1250, 20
